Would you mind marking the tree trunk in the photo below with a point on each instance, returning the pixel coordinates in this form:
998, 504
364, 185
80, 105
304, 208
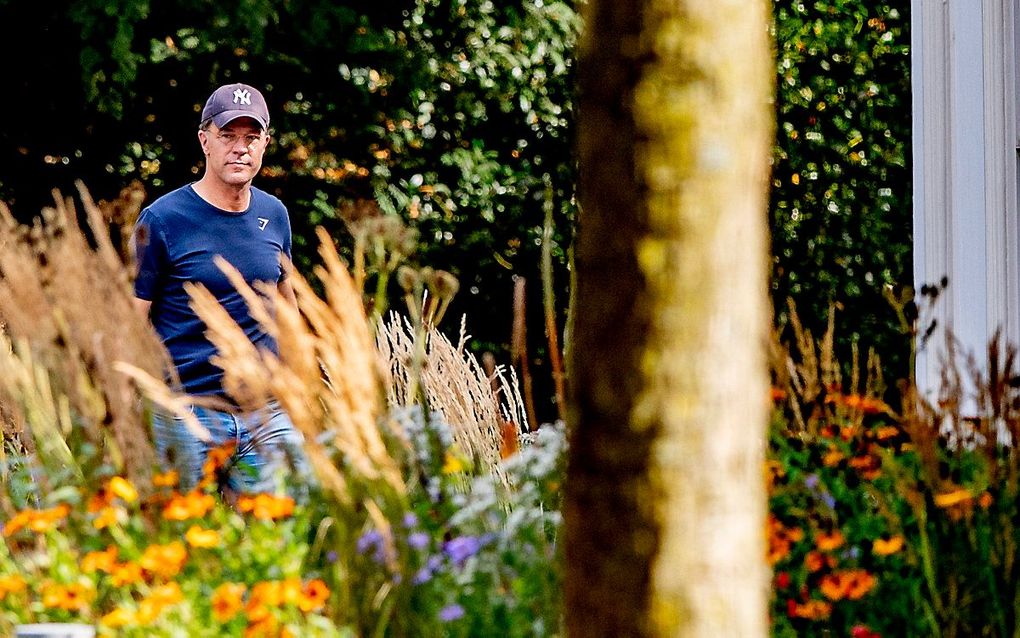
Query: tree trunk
665, 502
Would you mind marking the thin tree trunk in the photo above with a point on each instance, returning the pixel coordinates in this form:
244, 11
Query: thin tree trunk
665, 500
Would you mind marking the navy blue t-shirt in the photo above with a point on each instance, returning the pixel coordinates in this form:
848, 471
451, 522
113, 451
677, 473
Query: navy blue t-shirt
176, 238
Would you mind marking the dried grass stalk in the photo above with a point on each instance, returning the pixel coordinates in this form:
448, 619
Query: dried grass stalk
71, 301
326, 377
456, 386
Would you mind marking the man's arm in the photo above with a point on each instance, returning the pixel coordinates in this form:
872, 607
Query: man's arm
143, 306
287, 292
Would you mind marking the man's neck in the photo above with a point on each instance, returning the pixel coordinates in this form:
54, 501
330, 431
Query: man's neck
224, 196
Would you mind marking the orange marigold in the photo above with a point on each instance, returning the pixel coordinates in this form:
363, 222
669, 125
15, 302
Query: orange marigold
164, 560
70, 597
103, 561
127, 573
166, 479
828, 541
955, 497
266, 506
314, 596
227, 600
885, 547
198, 537
182, 507
11, 584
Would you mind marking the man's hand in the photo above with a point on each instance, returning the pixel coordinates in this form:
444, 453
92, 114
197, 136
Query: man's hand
287, 292
143, 306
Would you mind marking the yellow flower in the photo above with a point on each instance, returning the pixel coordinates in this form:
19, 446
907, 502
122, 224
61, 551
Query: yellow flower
164, 560
198, 537
883, 547
227, 600
71, 597
150, 607
127, 573
119, 617
122, 488
11, 585
953, 498
452, 464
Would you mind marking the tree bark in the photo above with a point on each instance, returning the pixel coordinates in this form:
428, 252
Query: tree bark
665, 502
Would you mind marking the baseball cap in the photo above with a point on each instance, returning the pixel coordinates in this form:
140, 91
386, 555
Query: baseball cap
232, 101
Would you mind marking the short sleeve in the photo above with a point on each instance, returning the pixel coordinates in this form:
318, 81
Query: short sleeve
151, 256
286, 241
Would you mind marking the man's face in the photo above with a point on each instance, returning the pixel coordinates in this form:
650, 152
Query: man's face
234, 153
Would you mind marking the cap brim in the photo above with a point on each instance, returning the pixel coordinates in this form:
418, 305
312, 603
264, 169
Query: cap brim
226, 117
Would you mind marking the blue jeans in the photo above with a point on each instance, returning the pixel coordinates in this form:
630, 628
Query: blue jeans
267, 448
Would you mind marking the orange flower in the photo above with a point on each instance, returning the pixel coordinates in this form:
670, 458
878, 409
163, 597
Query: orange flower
814, 561
36, 520
811, 610
264, 627
859, 582
192, 505
166, 479
832, 457
164, 560
123, 489
314, 595
119, 617
780, 538
11, 585
828, 541
108, 516
884, 547
868, 465
833, 586
71, 597
886, 432
216, 460
266, 506
198, 537
103, 561
150, 607
985, 500
227, 600
127, 573
955, 497
776, 394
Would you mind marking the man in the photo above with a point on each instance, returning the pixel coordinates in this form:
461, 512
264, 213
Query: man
177, 238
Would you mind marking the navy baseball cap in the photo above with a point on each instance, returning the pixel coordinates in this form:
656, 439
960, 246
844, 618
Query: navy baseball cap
232, 101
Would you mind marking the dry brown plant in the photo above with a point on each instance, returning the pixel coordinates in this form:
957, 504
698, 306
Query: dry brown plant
809, 379
326, 377
455, 385
66, 300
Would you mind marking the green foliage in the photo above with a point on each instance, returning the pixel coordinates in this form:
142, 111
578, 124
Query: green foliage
840, 200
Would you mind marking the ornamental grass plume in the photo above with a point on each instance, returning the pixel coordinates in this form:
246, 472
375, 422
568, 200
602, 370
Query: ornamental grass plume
456, 386
326, 377
66, 306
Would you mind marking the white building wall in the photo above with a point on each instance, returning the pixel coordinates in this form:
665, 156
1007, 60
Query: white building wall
964, 62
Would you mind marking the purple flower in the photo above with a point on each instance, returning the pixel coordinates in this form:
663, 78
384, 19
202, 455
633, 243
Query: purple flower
811, 481
418, 540
829, 500
451, 612
426, 573
410, 520
462, 548
369, 539
331, 557
372, 540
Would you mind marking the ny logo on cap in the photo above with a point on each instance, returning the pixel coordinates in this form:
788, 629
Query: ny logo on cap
242, 96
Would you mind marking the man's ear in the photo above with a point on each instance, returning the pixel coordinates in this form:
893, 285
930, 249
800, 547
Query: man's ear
203, 140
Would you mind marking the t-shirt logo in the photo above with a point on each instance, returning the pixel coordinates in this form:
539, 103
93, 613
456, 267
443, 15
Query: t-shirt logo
242, 96
262, 223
